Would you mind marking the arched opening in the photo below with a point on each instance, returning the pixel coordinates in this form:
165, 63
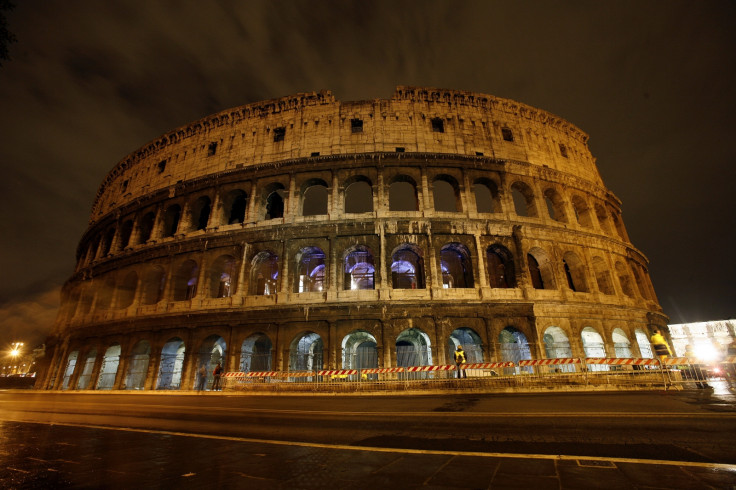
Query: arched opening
146, 227
222, 276
621, 343
171, 220
185, 281
602, 216
359, 197
575, 272
264, 274
234, 205
402, 195
619, 226
126, 290
645, 348
86, 377
446, 194
500, 265
138, 366
255, 353
153, 285
486, 196
624, 279
639, 280
523, 198
471, 342
555, 205
315, 198
310, 270
359, 269
413, 348
109, 369
594, 346
126, 230
540, 269
211, 352
457, 269
582, 212
107, 241
514, 346
556, 343
105, 290
170, 367
602, 276
92, 250
359, 350
201, 210
407, 268
275, 202
305, 352
71, 363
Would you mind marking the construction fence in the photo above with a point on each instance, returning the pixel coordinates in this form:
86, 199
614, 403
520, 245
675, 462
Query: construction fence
543, 374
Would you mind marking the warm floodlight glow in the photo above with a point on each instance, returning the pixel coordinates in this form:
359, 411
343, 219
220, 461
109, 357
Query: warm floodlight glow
705, 352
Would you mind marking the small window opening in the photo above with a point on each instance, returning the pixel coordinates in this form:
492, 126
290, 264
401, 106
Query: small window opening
161, 166
315, 154
125, 185
212, 149
507, 134
563, 150
438, 125
279, 134
356, 125
479, 153
400, 149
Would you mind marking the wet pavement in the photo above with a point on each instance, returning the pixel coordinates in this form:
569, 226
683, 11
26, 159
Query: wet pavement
38, 455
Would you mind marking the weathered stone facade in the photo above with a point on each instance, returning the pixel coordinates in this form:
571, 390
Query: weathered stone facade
305, 231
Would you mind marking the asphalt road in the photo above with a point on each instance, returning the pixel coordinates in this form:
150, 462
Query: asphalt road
665, 430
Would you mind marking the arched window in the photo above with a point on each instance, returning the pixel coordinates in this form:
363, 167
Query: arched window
618, 225
135, 378
201, 213
540, 269
402, 194
523, 200
109, 368
71, 363
234, 205
146, 227
185, 281
126, 290
413, 348
315, 197
275, 202
86, 377
457, 270
311, 270
486, 196
555, 205
603, 220
359, 269
446, 194
602, 276
624, 279
170, 367
621, 343
212, 351
645, 348
575, 272
305, 352
582, 212
359, 197
594, 346
107, 241
264, 274
500, 265
125, 231
556, 343
153, 285
223, 274
407, 268
471, 342
255, 353
514, 346
171, 220
359, 350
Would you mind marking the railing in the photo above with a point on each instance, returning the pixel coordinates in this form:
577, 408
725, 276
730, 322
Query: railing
620, 373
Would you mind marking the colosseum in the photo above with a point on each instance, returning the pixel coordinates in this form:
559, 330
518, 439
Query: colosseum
305, 233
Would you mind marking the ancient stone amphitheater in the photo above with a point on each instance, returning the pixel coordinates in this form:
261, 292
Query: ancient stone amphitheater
305, 233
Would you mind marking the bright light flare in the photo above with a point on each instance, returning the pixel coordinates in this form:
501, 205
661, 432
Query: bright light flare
14, 352
707, 353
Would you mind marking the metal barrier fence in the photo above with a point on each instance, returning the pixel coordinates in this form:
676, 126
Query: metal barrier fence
619, 373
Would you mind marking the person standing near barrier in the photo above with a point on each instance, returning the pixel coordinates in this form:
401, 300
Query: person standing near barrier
460, 360
202, 378
661, 348
216, 373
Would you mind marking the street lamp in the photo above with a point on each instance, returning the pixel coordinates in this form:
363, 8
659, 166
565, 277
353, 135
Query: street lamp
15, 350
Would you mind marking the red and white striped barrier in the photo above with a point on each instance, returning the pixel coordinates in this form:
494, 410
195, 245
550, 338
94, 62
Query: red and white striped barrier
674, 361
488, 365
421, 369
338, 372
625, 361
298, 374
233, 375
382, 370
262, 374
550, 362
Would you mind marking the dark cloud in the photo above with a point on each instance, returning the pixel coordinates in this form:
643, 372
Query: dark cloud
651, 82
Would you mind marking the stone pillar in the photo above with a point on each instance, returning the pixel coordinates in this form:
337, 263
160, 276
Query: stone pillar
96, 368
78, 368
154, 364
189, 366
332, 346
482, 272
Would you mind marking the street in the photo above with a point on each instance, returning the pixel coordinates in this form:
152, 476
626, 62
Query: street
577, 440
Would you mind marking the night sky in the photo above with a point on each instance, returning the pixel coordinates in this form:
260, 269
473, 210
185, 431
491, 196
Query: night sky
652, 83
